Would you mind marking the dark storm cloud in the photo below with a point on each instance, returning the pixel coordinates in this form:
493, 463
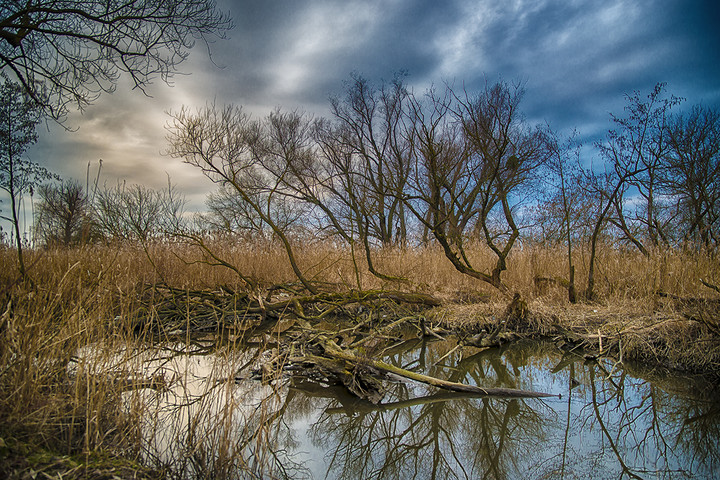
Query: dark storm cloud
298, 53
579, 58
576, 58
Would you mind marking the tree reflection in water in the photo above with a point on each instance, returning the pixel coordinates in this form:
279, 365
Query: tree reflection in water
419, 433
215, 421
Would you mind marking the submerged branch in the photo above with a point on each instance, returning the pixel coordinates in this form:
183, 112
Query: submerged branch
333, 350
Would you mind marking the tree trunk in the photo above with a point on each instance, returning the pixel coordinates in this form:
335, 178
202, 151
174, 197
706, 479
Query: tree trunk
15, 219
16, 225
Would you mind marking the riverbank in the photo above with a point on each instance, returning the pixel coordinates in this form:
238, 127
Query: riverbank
680, 335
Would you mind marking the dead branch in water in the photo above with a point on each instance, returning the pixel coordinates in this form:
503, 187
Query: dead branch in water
333, 350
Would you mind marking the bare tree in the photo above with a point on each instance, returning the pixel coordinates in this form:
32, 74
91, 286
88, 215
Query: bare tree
138, 213
692, 174
234, 152
636, 150
562, 165
66, 52
64, 216
339, 188
312, 166
371, 127
228, 213
473, 154
18, 175
507, 152
607, 190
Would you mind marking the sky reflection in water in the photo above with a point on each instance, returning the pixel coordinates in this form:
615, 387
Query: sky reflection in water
609, 423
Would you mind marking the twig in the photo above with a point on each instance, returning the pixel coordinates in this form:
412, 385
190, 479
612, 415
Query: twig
710, 285
448, 353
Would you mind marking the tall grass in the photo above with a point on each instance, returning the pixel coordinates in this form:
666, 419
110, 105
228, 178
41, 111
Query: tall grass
53, 397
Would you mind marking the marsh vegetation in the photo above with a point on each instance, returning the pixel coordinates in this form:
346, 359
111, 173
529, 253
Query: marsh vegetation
153, 362
369, 276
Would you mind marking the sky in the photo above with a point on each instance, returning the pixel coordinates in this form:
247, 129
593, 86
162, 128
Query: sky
576, 58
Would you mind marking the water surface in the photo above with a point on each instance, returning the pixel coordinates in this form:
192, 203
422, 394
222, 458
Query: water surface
608, 421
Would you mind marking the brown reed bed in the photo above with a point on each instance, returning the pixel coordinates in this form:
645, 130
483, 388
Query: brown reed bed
57, 416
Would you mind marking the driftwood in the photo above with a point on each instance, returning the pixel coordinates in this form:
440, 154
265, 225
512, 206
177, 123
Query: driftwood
168, 309
351, 404
440, 397
361, 374
333, 350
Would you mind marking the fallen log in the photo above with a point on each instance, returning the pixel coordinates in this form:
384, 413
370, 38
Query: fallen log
442, 397
333, 350
345, 298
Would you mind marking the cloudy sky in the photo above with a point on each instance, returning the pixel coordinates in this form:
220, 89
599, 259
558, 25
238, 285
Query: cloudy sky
577, 59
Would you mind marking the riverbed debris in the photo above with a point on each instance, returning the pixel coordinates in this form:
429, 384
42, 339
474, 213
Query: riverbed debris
332, 338
337, 336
